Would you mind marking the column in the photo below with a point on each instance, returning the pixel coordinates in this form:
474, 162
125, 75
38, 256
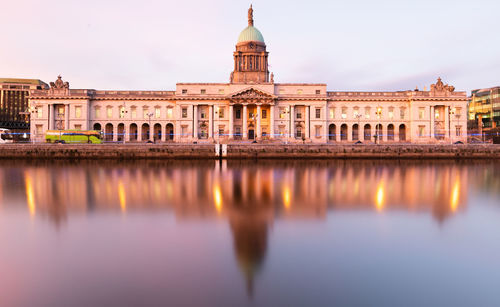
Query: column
447, 122
308, 119
231, 124
324, 137
349, 132
195, 122
66, 116
244, 115
126, 130
115, 133
163, 132
271, 122
433, 117
259, 115
291, 128
211, 127
50, 116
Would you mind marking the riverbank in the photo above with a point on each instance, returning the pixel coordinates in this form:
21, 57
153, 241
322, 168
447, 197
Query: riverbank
247, 151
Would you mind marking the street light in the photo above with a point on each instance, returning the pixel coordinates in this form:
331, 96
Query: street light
149, 115
377, 131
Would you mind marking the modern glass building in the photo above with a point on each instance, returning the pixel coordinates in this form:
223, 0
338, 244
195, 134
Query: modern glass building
484, 111
14, 108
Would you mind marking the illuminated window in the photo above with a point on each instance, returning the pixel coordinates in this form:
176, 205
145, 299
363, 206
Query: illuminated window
38, 129
221, 112
264, 114
332, 113
78, 111
203, 91
184, 112
282, 91
283, 113
402, 113
169, 112
421, 113
97, 112
109, 112
344, 112
299, 92
145, 113
391, 113
221, 91
355, 112
133, 112
39, 112
367, 112
121, 111
157, 112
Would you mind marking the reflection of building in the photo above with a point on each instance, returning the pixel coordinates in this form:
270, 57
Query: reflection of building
484, 110
252, 106
14, 101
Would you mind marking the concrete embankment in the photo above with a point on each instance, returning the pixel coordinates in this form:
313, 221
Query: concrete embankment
247, 151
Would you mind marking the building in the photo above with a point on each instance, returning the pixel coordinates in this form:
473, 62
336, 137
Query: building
252, 106
14, 111
484, 111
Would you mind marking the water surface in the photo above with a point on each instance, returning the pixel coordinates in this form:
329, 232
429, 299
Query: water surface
291, 233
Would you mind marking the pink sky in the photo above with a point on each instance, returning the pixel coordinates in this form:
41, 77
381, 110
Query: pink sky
350, 45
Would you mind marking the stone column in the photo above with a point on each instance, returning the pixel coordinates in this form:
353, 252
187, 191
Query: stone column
433, 117
308, 119
447, 134
271, 122
291, 131
211, 127
115, 133
244, 115
258, 116
349, 132
163, 132
126, 129
195, 122
51, 116
231, 122
66, 116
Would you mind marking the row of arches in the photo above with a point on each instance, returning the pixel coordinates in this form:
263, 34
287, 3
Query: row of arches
390, 134
133, 133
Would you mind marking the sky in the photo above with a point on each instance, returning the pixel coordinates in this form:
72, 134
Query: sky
358, 45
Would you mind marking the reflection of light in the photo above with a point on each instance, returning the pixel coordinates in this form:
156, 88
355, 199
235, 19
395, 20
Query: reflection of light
121, 195
286, 197
455, 196
379, 199
218, 198
29, 194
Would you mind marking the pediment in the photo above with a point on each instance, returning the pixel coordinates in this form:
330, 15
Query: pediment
252, 94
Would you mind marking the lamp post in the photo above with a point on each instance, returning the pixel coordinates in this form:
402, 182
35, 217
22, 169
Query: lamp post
358, 117
377, 132
149, 116
123, 111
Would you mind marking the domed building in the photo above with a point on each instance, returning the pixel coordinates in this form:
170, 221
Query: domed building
252, 107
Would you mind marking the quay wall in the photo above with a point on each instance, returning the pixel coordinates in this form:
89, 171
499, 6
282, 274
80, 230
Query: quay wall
246, 151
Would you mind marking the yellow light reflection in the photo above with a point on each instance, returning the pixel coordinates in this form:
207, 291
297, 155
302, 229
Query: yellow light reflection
455, 196
379, 198
218, 198
122, 197
287, 197
30, 194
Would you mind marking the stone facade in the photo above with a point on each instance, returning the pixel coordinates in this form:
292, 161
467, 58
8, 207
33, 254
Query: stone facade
253, 107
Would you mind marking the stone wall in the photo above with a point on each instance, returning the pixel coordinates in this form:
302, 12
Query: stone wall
248, 151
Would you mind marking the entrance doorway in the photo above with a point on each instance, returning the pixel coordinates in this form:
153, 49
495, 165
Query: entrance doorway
251, 134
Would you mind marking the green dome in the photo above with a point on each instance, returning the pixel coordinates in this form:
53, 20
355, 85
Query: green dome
250, 33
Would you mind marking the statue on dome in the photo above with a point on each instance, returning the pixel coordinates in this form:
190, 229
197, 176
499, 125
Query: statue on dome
250, 16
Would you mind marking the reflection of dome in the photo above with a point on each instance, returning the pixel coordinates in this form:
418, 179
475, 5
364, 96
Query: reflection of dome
249, 34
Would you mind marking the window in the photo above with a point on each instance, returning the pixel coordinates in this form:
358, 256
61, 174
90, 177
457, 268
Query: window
391, 113
298, 132
402, 113
332, 113
184, 112
203, 114
97, 112
78, 127
221, 91
221, 112
436, 114
238, 113
184, 91
221, 130
282, 91
355, 113
237, 131
318, 131
283, 112
344, 112
299, 115
169, 112
145, 113
133, 112
157, 112
109, 112
318, 112
421, 113
264, 114
367, 112
458, 112
458, 130
203, 91
421, 131
38, 129
184, 131
122, 111
39, 112
318, 92
264, 131
78, 111
299, 92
